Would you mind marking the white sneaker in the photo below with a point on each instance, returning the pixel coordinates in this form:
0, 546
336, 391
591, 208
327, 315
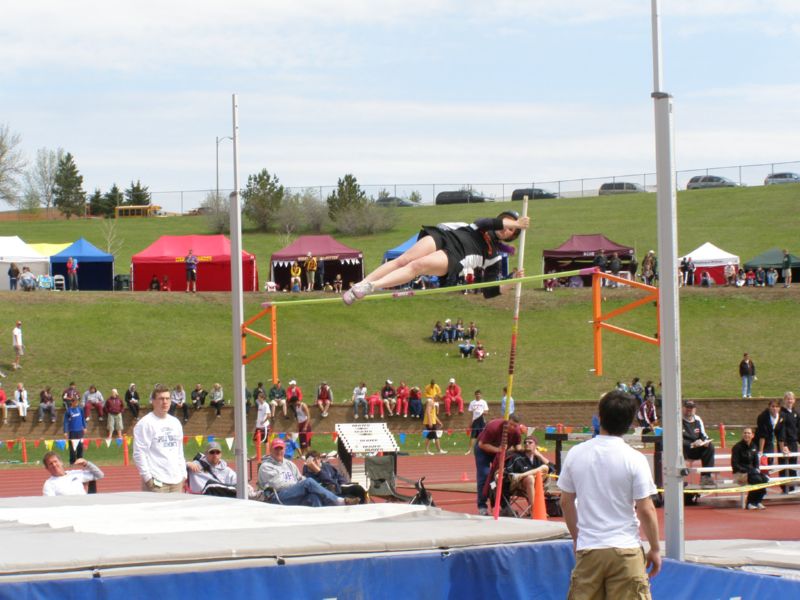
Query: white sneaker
752, 507
428, 452
442, 451
760, 506
356, 416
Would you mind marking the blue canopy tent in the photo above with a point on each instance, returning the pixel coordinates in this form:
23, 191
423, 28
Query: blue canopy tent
95, 267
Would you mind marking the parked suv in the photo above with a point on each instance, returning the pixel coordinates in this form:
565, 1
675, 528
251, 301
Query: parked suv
776, 178
619, 187
699, 182
459, 197
393, 201
532, 194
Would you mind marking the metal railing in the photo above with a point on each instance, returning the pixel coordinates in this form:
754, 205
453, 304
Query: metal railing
184, 201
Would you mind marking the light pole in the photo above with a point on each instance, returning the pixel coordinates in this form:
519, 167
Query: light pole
219, 139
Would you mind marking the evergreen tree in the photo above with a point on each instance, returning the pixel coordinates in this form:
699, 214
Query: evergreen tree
348, 195
68, 194
263, 197
96, 207
137, 194
112, 199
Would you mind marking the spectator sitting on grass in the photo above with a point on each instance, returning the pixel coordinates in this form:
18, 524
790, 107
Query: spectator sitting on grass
155, 285
460, 331
480, 352
449, 331
472, 331
466, 348
438, 334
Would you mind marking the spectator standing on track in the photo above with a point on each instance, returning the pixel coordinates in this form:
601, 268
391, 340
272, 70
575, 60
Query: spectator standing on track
74, 428
606, 489
790, 436
158, 447
477, 408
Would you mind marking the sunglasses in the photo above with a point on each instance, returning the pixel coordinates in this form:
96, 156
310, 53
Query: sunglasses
215, 452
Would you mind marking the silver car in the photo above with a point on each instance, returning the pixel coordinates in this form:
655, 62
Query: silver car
699, 182
776, 178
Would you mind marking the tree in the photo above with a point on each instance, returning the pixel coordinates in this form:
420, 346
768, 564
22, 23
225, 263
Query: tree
263, 197
41, 178
137, 194
217, 211
415, 197
348, 195
96, 208
109, 230
68, 194
112, 199
11, 165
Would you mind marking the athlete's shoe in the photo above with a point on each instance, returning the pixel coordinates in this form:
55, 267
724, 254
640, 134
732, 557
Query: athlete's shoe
362, 289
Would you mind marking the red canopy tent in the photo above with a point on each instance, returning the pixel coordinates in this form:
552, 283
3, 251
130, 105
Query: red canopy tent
579, 251
333, 258
166, 256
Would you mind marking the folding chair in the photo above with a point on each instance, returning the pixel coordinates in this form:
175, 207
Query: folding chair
382, 478
59, 283
513, 503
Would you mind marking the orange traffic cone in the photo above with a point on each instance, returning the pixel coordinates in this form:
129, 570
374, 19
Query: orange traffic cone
539, 511
464, 476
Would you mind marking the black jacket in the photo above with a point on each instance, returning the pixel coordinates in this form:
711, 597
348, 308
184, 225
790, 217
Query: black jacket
744, 457
765, 430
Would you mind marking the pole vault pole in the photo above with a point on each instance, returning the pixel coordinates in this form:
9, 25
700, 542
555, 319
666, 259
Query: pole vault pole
511, 359
237, 318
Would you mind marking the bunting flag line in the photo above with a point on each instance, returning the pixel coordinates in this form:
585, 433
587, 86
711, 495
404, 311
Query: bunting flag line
211, 438
119, 442
97, 442
108, 442
36, 443
10, 445
199, 440
185, 440
48, 444
61, 444
229, 442
74, 444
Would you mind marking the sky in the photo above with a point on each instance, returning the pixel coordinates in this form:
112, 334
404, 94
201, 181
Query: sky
416, 92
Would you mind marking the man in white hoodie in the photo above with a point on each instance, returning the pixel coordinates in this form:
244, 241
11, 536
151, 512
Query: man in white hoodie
283, 484
158, 447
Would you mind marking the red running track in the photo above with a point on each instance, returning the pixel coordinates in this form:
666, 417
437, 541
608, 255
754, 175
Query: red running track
778, 522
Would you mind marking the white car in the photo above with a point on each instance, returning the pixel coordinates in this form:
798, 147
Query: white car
776, 178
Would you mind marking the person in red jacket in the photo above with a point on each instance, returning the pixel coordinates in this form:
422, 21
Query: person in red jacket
324, 398
113, 409
453, 394
402, 399
294, 390
374, 400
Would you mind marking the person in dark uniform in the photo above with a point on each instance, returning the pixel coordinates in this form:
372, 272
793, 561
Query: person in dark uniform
447, 250
745, 467
770, 430
791, 425
696, 443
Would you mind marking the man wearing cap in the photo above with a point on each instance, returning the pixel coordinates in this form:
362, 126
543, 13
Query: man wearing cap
294, 391
16, 342
447, 250
696, 443
453, 394
158, 446
283, 484
210, 475
606, 488
489, 445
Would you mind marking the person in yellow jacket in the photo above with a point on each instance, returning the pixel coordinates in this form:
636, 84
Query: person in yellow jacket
296, 281
432, 390
432, 425
311, 271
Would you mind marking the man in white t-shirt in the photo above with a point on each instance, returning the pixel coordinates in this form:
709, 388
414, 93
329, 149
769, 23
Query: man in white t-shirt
16, 342
605, 485
68, 483
158, 446
477, 408
262, 417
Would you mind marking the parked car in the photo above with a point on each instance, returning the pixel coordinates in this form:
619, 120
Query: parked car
393, 201
776, 178
459, 197
532, 194
620, 187
699, 182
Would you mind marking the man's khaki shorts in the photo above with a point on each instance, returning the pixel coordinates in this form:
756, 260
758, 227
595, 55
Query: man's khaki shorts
610, 574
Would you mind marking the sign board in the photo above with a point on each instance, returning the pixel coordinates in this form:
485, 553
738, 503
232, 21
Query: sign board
366, 438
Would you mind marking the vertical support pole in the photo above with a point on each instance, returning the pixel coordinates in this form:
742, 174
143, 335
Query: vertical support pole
669, 316
597, 312
273, 319
237, 318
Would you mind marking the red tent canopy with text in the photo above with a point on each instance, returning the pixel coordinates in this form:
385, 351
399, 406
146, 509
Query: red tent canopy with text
579, 251
333, 258
166, 256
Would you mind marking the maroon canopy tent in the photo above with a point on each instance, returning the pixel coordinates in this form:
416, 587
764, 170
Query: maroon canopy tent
333, 258
578, 252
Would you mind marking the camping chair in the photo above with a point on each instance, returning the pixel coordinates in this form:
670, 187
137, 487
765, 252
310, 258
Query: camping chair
512, 504
382, 479
44, 282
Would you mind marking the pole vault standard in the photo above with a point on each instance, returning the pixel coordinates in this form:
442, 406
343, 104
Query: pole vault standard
511, 359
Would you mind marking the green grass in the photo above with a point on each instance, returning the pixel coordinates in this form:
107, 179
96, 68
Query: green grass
114, 339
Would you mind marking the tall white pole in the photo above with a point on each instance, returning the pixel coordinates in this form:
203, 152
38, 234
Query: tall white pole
237, 318
669, 307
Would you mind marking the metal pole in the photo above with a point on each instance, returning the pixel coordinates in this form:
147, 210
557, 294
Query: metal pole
669, 317
217, 188
237, 318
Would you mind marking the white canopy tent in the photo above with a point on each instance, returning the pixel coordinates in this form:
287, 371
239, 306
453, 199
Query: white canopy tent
14, 250
711, 259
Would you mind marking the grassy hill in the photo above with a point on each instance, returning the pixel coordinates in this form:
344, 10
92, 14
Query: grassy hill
114, 339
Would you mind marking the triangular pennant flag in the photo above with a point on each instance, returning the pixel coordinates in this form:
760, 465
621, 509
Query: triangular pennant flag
108, 442
335, 435
97, 442
74, 444
210, 439
402, 437
10, 445
229, 442
199, 440
449, 432
119, 442
49, 444
61, 444
185, 440
36, 443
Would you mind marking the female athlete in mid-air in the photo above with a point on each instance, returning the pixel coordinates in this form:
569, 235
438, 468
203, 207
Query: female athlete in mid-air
448, 250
